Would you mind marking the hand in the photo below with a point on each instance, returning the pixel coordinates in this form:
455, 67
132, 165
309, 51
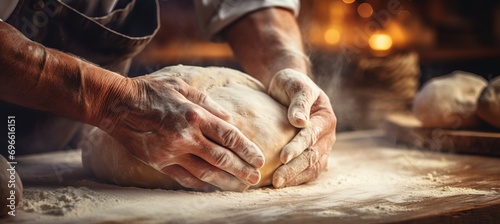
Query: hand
180, 131
309, 108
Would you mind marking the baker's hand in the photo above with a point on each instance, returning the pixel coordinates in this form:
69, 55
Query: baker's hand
181, 132
309, 108
162, 121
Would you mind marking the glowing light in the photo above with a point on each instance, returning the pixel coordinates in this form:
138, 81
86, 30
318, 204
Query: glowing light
380, 42
348, 1
404, 14
332, 36
365, 10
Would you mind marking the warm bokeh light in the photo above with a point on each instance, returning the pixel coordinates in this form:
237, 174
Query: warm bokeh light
365, 10
380, 42
397, 32
404, 14
348, 1
332, 36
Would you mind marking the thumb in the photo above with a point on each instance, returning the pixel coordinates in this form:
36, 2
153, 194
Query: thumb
297, 91
300, 108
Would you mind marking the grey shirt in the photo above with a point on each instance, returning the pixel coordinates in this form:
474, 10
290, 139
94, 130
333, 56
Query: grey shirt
213, 15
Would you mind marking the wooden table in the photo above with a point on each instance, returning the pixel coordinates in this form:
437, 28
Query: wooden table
370, 180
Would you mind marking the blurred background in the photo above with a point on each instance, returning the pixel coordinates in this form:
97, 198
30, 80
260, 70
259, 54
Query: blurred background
369, 56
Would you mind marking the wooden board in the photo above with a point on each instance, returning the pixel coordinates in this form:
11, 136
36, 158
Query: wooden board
405, 128
369, 180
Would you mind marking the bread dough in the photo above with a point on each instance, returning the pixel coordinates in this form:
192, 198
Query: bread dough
488, 105
5, 189
259, 117
449, 101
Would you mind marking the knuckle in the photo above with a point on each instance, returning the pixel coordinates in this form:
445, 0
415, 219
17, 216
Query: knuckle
313, 156
301, 102
246, 151
192, 115
295, 87
206, 175
201, 97
223, 160
177, 84
230, 138
307, 137
175, 81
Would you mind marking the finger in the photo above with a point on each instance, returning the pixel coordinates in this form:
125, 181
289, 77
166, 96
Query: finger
297, 91
228, 161
203, 100
309, 174
186, 179
321, 123
279, 84
231, 138
289, 171
303, 96
305, 138
210, 174
300, 107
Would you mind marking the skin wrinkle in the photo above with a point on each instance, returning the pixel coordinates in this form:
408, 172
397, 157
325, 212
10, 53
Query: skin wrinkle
320, 113
120, 105
138, 117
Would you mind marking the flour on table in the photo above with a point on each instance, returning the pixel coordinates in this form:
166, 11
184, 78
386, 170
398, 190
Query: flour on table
68, 201
363, 182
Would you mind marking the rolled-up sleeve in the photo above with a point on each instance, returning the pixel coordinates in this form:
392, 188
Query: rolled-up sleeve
214, 15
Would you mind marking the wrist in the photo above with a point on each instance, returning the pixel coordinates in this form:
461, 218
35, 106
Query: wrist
113, 102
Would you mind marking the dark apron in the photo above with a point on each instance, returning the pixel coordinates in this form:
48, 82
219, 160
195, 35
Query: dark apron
106, 39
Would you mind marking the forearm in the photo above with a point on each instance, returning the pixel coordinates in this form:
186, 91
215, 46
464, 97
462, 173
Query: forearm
40, 78
267, 41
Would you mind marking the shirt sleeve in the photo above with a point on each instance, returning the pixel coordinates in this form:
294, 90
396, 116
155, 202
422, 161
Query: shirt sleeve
214, 15
6, 8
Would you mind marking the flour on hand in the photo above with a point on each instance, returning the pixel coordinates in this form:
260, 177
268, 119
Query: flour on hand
258, 116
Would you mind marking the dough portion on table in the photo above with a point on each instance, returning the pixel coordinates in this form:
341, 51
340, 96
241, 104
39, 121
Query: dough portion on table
449, 101
259, 117
488, 105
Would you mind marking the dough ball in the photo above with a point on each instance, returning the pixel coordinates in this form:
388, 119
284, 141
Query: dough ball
5, 177
488, 104
258, 116
449, 101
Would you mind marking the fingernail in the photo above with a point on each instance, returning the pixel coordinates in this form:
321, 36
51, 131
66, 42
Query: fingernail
289, 158
279, 182
254, 178
300, 119
226, 115
300, 116
257, 162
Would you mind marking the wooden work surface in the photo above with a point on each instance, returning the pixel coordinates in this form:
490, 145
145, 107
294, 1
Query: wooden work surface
369, 181
407, 129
